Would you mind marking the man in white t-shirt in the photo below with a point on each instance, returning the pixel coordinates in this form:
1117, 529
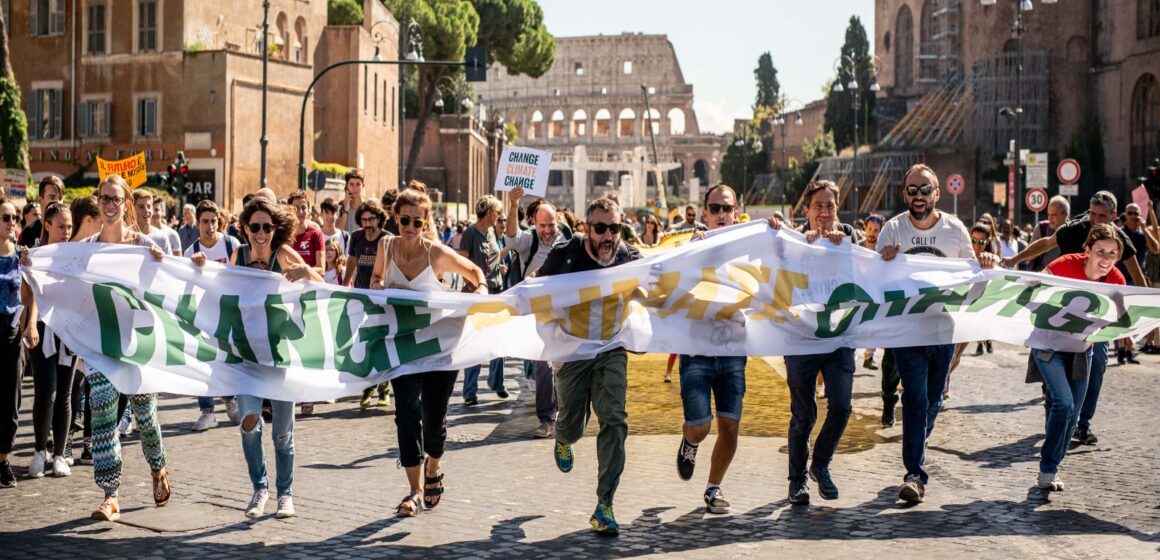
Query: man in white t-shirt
143, 204
158, 221
212, 245
923, 230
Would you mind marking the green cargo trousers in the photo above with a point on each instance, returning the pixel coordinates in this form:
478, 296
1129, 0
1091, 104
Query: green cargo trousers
598, 384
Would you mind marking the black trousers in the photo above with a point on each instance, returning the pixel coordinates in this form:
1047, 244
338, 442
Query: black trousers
421, 414
52, 402
10, 374
890, 380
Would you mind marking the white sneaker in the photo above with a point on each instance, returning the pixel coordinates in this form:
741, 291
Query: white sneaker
232, 411
60, 467
257, 504
39, 462
207, 420
1050, 482
125, 426
285, 507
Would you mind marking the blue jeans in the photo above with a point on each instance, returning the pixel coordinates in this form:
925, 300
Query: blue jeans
283, 412
837, 369
206, 403
494, 378
923, 371
703, 377
1065, 398
1095, 383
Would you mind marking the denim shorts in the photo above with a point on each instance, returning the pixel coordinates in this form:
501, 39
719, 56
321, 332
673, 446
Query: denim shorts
724, 377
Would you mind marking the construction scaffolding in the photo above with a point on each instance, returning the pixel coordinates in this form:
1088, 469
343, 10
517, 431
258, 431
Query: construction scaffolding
940, 44
993, 81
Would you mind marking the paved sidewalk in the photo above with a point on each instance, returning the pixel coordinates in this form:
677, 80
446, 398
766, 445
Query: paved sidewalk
505, 499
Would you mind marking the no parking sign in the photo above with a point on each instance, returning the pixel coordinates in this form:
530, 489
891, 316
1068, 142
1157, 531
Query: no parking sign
955, 184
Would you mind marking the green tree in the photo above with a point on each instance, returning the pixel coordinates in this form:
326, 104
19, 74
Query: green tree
513, 32
840, 104
768, 88
344, 12
742, 163
13, 121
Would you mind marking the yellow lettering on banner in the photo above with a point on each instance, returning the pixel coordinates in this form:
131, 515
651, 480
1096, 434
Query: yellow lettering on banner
750, 278
787, 281
579, 315
131, 168
490, 314
697, 300
665, 286
542, 308
621, 291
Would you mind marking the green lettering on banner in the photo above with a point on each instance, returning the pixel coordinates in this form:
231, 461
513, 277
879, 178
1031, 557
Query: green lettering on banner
374, 337
283, 331
928, 297
411, 322
999, 290
1124, 323
231, 331
174, 339
186, 311
846, 293
111, 327
1073, 324
897, 300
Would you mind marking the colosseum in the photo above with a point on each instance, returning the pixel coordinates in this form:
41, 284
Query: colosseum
590, 111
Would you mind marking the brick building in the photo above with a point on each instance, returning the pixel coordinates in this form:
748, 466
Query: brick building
161, 76
589, 111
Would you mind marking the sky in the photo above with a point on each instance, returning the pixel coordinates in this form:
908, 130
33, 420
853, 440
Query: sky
718, 43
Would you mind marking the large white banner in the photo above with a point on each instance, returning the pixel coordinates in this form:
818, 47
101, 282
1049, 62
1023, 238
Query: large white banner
173, 327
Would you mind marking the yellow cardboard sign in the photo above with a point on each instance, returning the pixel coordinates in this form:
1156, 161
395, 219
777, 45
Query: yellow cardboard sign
131, 168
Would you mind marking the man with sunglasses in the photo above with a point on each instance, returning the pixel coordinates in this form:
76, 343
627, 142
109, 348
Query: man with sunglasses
691, 222
923, 230
599, 383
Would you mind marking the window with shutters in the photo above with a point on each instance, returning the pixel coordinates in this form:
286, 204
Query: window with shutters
146, 122
96, 36
44, 114
46, 18
93, 118
1147, 19
147, 25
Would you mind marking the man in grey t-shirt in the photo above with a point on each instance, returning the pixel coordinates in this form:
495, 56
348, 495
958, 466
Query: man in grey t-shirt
143, 206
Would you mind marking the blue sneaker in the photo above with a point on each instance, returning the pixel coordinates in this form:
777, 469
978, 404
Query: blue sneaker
604, 521
564, 457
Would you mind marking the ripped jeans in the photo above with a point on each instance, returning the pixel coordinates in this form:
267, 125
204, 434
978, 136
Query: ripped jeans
283, 443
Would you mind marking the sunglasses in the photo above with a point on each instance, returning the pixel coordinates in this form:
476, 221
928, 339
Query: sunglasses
1132, 213
8, 218
914, 190
114, 200
407, 220
267, 227
601, 228
979, 241
721, 208
874, 220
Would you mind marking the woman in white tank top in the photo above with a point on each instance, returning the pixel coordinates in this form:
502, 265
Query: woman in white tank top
411, 261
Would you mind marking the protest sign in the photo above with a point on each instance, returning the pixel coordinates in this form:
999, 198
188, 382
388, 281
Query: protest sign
525, 168
131, 168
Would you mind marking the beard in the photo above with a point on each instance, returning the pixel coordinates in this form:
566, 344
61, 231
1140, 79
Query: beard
609, 244
920, 215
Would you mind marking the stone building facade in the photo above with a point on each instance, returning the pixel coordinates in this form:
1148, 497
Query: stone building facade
116, 77
589, 111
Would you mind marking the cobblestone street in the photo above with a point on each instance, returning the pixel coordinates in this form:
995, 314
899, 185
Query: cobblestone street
505, 498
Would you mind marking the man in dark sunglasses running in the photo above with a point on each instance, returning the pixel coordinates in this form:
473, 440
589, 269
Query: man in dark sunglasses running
599, 383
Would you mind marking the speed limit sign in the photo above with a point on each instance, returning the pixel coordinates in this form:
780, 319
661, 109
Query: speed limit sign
1036, 200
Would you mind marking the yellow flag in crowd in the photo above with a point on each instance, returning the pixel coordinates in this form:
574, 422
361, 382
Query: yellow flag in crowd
131, 168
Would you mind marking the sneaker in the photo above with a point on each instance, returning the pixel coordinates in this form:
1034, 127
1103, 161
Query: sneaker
546, 430
979, 349
7, 477
564, 457
125, 426
868, 363
604, 521
989, 346
799, 492
366, 399
232, 411
501, 394
686, 459
1130, 355
87, 454
1084, 437
257, 504
888, 417
826, 487
668, 377
1049, 482
912, 490
715, 501
206, 421
470, 401
1120, 356
60, 467
384, 401
68, 449
40, 462
285, 507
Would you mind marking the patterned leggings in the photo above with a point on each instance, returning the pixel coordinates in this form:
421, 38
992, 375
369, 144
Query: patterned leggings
107, 440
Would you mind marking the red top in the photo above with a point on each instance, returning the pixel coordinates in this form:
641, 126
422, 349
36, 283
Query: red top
310, 245
1071, 266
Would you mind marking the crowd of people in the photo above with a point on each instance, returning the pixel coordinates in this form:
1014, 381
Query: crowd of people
397, 241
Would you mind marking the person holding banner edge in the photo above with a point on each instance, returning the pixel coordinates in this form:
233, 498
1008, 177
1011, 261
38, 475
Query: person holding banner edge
17, 326
412, 261
923, 230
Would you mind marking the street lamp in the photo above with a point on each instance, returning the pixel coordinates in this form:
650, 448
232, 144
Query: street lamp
412, 38
786, 104
265, 84
849, 64
463, 98
744, 147
1016, 113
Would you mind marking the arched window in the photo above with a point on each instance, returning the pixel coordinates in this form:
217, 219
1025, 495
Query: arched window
1147, 19
536, 130
653, 117
676, 121
579, 123
1145, 123
300, 51
556, 127
603, 122
904, 48
626, 122
280, 39
927, 47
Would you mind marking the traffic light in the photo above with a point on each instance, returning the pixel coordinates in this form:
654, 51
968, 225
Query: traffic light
475, 64
175, 176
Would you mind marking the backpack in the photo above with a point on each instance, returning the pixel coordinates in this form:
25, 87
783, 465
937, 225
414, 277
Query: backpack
564, 229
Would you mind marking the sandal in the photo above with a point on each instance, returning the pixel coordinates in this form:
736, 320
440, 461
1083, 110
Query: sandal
161, 490
410, 506
109, 510
431, 496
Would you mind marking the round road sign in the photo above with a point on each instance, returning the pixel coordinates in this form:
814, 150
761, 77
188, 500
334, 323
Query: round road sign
1036, 200
316, 180
955, 184
1068, 171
